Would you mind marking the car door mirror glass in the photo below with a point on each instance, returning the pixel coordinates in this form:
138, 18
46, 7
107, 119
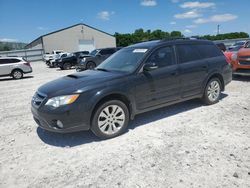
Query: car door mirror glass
150, 66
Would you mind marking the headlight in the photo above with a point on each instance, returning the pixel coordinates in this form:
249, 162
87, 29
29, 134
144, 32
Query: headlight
84, 59
234, 56
61, 100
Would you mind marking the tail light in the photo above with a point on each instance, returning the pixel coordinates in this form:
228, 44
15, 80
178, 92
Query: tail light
27, 63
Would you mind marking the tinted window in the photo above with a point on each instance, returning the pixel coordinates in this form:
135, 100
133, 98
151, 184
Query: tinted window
3, 61
107, 51
188, 53
208, 51
125, 60
162, 57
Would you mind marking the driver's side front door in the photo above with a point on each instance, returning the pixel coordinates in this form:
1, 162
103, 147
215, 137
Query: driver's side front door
161, 84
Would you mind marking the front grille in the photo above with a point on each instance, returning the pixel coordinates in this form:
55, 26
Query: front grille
244, 57
38, 98
244, 62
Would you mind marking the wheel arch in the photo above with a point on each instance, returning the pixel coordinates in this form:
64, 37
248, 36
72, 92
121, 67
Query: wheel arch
113, 96
215, 75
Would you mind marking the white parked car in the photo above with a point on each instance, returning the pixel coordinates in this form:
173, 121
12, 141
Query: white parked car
14, 66
48, 57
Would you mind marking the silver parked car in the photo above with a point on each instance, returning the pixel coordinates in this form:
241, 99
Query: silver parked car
14, 66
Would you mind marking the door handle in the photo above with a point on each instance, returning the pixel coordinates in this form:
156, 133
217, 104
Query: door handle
174, 73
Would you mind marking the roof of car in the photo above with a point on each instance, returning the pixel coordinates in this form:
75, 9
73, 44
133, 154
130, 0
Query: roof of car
154, 43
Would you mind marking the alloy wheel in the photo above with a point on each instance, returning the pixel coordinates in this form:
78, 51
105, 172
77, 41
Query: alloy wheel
111, 119
213, 91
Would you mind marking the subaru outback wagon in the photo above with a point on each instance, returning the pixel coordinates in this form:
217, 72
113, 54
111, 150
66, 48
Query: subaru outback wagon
136, 79
15, 67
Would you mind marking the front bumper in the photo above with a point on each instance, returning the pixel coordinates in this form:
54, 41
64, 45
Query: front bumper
73, 119
242, 72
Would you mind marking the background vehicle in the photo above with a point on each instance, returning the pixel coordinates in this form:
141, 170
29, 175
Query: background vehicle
14, 66
47, 57
134, 80
221, 46
53, 63
238, 45
95, 58
241, 61
70, 61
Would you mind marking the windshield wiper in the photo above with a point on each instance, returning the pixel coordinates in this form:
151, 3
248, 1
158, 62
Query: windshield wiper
101, 69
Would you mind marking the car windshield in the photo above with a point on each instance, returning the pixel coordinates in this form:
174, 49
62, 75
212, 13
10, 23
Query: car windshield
94, 52
125, 60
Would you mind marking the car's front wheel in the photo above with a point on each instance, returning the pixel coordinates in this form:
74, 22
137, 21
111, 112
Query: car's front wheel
90, 65
110, 119
212, 91
17, 74
66, 66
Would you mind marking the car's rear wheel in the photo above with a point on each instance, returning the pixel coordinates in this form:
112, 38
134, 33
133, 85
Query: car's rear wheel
66, 66
110, 119
90, 65
17, 74
212, 91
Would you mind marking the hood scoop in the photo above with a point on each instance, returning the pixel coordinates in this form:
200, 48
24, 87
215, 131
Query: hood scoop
72, 76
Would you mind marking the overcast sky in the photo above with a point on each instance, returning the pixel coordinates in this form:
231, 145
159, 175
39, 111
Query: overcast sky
25, 20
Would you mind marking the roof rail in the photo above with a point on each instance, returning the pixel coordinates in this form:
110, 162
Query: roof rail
180, 38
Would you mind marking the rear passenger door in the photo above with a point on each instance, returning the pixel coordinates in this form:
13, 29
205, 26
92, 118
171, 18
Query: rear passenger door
193, 69
6, 66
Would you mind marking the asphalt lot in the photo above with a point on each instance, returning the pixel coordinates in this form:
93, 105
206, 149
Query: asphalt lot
185, 145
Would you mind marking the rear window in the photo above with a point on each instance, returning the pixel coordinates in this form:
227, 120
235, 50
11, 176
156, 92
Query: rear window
188, 53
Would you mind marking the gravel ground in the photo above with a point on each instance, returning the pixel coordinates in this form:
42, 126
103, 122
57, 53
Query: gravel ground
185, 145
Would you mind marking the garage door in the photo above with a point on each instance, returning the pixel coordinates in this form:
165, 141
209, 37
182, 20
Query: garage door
86, 45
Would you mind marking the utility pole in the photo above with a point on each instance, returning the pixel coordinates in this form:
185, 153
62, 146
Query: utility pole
218, 29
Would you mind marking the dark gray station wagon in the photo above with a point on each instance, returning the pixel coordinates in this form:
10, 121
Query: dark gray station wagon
136, 79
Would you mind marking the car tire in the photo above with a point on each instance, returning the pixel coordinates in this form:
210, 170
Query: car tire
90, 65
110, 119
17, 74
212, 91
66, 66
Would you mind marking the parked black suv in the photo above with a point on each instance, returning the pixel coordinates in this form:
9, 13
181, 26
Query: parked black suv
66, 63
134, 80
95, 58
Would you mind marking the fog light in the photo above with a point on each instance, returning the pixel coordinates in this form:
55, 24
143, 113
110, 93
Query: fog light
59, 124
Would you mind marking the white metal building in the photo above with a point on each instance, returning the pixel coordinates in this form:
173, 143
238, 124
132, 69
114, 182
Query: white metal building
79, 37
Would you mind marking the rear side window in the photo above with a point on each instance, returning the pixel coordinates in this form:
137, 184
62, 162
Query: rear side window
14, 60
3, 61
7, 61
208, 51
188, 53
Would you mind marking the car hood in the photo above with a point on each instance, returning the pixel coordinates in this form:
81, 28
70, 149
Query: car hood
244, 52
75, 83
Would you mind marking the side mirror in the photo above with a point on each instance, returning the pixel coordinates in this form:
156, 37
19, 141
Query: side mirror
98, 55
150, 66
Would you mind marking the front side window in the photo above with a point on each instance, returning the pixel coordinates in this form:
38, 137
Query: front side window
162, 57
107, 51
